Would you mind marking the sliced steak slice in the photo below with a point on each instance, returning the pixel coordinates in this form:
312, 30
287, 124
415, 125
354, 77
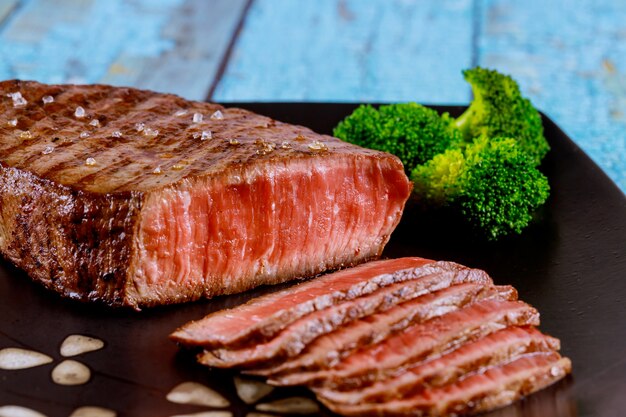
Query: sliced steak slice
495, 387
138, 198
418, 342
262, 318
295, 337
494, 349
327, 350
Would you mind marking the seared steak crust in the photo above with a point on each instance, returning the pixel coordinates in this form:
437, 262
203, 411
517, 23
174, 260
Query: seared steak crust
137, 198
74, 242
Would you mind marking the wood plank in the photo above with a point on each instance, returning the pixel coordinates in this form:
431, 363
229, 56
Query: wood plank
36, 18
349, 50
571, 60
77, 40
6, 8
170, 45
200, 31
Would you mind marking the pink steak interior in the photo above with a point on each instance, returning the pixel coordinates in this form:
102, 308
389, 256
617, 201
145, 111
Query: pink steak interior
265, 224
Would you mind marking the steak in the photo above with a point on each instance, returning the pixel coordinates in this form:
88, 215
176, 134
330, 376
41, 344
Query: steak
421, 341
494, 387
295, 337
137, 198
327, 350
264, 317
405, 337
494, 349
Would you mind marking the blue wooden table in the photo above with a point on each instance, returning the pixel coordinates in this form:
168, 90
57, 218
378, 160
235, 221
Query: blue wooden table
569, 56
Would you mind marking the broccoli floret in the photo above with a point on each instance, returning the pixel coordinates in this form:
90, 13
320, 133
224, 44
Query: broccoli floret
410, 131
491, 183
498, 109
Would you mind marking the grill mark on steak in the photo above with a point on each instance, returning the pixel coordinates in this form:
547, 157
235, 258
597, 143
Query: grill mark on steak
327, 350
419, 342
495, 387
262, 318
90, 221
294, 338
497, 348
123, 110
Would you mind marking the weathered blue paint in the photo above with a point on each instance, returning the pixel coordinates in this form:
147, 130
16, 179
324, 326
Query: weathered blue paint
351, 50
167, 45
69, 40
201, 31
570, 58
6, 8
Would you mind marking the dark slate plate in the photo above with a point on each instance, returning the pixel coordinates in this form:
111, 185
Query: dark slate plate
571, 265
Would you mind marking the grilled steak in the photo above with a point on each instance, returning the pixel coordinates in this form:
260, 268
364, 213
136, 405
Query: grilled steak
262, 318
494, 387
137, 198
329, 349
420, 341
405, 337
493, 349
294, 338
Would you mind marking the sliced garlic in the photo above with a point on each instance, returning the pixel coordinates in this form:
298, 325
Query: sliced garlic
294, 405
16, 358
17, 411
77, 344
197, 394
71, 372
251, 391
207, 414
89, 411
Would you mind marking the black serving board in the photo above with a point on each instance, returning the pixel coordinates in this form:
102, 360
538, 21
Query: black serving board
571, 265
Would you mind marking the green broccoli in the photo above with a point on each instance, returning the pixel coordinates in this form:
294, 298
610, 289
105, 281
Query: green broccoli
410, 131
481, 166
491, 183
498, 109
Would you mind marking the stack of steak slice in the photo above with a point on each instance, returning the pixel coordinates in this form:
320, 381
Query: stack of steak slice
406, 336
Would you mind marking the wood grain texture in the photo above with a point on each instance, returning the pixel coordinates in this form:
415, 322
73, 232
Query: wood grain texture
201, 31
170, 45
6, 8
570, 59
349, 50
77, 40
